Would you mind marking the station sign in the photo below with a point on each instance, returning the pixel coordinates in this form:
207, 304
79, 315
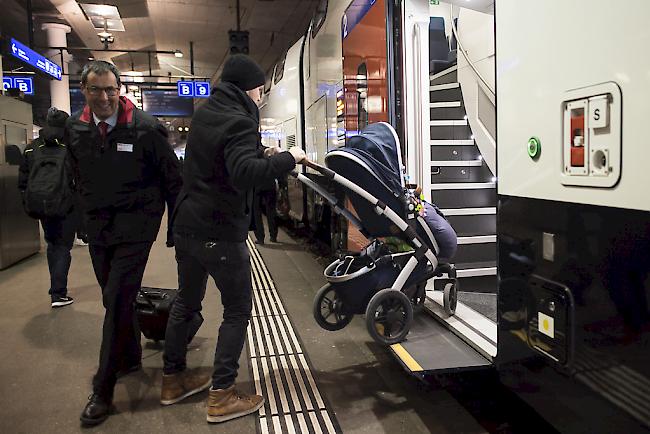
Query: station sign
24, 84
34, 59
193, 89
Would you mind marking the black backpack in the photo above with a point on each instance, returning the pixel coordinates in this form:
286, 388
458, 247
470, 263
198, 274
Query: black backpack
48, 192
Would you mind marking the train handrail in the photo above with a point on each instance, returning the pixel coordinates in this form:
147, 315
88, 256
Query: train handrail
462, 50
417, 49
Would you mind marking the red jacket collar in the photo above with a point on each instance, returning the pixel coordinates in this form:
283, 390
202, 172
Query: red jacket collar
124, 117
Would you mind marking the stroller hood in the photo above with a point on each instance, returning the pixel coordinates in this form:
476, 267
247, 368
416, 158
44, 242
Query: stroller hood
378, 146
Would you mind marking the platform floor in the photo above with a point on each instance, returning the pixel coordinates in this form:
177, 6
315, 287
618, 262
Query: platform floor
49, 355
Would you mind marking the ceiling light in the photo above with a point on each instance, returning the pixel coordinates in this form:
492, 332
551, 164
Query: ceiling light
178, 53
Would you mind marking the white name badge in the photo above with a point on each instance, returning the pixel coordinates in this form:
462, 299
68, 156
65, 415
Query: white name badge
124, 147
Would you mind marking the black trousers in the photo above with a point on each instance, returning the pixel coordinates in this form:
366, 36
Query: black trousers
59, 235
265, 201
229, 265
119, 269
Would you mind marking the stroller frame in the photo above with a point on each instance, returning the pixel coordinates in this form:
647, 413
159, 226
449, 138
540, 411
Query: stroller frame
393, 295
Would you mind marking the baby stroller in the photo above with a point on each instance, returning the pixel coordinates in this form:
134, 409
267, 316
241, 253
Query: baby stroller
385, 286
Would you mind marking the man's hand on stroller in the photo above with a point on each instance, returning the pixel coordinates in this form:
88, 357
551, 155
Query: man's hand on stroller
298, 155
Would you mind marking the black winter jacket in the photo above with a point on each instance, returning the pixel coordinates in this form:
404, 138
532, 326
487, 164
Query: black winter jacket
223, 164
124, 182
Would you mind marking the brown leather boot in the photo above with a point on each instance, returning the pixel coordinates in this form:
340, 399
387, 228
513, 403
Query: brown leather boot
176, 387
230, 403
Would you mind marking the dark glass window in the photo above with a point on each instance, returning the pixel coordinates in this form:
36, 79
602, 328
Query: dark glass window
319, 17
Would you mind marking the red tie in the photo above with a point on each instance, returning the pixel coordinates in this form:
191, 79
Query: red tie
103, 129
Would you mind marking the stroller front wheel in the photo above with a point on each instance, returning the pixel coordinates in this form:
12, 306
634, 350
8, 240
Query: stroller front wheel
450, 297
329, 310
388, 316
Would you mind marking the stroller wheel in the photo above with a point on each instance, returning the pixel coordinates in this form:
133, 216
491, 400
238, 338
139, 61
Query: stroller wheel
329, 311
388, 316
450, 298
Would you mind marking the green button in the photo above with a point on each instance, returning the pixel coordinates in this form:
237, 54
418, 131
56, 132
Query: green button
534, 147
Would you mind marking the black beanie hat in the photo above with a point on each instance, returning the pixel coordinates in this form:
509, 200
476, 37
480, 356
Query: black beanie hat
56, 118
243, 72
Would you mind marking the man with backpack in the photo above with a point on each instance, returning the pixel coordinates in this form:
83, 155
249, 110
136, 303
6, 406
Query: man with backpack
45, 181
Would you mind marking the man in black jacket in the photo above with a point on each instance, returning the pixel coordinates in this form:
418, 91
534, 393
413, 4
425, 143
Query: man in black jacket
125, 172
59, 231
223, 165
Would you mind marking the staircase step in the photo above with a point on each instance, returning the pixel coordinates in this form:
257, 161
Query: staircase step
476, 251
469, 211
456, 163
467, 142
471, 283
456, 131
458, 152
449, 75
460, 171
445, 86
464, 195
446, 112
450, 94
446, 104
473, 225
448, 122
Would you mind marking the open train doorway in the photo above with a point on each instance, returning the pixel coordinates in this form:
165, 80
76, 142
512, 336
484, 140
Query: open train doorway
449, 105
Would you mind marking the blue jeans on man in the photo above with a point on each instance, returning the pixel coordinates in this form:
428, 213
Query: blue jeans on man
59, 236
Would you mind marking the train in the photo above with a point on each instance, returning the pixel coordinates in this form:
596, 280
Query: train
525, 125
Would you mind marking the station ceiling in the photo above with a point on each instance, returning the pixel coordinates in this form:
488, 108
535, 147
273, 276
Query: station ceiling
166, 25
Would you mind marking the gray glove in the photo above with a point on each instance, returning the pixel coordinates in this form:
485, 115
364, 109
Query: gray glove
298, 154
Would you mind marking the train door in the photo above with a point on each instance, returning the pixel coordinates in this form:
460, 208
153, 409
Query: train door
447, 152
365, 75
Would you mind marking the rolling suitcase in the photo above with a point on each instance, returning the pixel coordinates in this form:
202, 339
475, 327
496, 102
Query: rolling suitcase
152, 307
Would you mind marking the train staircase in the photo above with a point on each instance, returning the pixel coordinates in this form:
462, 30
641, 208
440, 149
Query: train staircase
464, 188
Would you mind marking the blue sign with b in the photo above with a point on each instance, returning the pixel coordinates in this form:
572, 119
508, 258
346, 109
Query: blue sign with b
185, 88
24, 84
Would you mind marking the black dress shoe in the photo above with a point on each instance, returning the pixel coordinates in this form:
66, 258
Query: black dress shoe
126, 371
261, 242
96, 411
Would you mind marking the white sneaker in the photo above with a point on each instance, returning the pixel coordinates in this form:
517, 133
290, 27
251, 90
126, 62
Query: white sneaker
79, 242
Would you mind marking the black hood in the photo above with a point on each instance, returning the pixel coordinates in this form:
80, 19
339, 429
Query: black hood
228, 96
51, 134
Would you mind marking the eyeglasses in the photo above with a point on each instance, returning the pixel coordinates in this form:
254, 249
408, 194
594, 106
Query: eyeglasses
96, 91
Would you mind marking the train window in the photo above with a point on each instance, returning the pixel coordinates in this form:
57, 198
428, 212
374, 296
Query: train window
319, 17
279, 69
269, 79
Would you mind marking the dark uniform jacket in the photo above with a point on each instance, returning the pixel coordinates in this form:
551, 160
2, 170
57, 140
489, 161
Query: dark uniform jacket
124, 181
223, 164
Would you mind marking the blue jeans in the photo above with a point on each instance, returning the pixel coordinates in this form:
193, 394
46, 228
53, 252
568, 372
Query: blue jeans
229, 265
59, 235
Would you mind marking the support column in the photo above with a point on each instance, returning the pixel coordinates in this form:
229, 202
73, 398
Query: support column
59, 89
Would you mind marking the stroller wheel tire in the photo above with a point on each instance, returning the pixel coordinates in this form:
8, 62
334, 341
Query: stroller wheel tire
450, 298
329, 311
388, 316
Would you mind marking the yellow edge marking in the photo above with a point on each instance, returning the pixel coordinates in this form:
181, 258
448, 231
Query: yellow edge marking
406, 358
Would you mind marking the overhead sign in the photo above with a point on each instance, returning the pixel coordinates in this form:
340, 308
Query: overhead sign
193, 89
31, 57
24, 84
353, 14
